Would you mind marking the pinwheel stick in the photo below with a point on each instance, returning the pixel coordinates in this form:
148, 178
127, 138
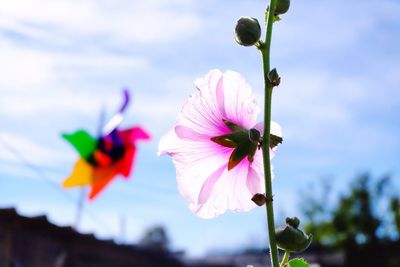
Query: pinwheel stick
79, 207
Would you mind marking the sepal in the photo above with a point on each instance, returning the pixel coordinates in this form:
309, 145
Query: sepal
290, 238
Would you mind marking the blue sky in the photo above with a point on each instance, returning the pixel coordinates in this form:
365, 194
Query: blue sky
61, 62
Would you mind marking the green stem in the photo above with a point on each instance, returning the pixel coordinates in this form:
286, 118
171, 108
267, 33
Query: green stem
265, 51
285, 259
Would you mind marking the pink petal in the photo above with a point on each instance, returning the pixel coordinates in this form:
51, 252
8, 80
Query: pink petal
169, 143
233, 189
229, 193
240, 104
276, 129
208, 185
255, 179
187, 133
220, 96
194, 162
260, 127
201, 112
192, 171
253, 182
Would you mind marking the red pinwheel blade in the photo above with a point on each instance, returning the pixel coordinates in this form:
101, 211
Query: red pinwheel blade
127, 162
101, 178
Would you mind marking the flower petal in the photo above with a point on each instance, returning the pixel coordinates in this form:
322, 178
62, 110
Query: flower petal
208, 185
169, 143
253, 182
201, 164
200, 112
184, 132
229, 193
276, 129
194, 162
255, 179
193, 170
220, 96
240, 104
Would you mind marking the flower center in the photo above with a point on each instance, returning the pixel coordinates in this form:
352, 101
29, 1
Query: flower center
243, 141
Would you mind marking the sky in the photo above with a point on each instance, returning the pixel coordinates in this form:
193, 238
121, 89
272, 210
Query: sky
63, 62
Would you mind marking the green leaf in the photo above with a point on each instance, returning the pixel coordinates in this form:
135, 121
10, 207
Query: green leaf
298, 262
83, 142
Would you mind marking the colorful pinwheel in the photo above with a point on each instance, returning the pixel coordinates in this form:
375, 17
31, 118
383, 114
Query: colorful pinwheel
102, 159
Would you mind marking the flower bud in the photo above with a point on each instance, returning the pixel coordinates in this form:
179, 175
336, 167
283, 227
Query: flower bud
290, 238
273, 77
259, 199
247, 31
282, 6
294, 222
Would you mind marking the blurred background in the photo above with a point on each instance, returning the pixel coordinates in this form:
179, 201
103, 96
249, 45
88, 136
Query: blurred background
63, 62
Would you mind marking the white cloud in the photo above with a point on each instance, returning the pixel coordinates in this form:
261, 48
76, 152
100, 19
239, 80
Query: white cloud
27, 69
112, 21
17, 148
23, 67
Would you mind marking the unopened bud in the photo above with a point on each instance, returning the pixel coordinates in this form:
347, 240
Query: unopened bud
294, 222
282, 6
290, 238
259, 199
247, 31
273, 77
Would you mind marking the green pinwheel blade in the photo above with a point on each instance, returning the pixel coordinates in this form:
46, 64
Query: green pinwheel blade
83, 142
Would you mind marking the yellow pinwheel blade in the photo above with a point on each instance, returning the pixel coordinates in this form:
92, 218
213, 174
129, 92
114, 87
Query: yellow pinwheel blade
81, 174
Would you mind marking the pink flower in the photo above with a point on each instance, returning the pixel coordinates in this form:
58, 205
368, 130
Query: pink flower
216, 170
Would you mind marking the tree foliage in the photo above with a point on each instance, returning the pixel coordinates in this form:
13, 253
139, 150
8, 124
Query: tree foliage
155, 238
368, 213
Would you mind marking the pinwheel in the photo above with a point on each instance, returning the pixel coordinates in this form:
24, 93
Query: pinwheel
103, 158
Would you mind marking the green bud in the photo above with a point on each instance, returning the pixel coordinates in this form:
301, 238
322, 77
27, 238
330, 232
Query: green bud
247, 31
282, 6
273, 77
294, 222
290, 238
